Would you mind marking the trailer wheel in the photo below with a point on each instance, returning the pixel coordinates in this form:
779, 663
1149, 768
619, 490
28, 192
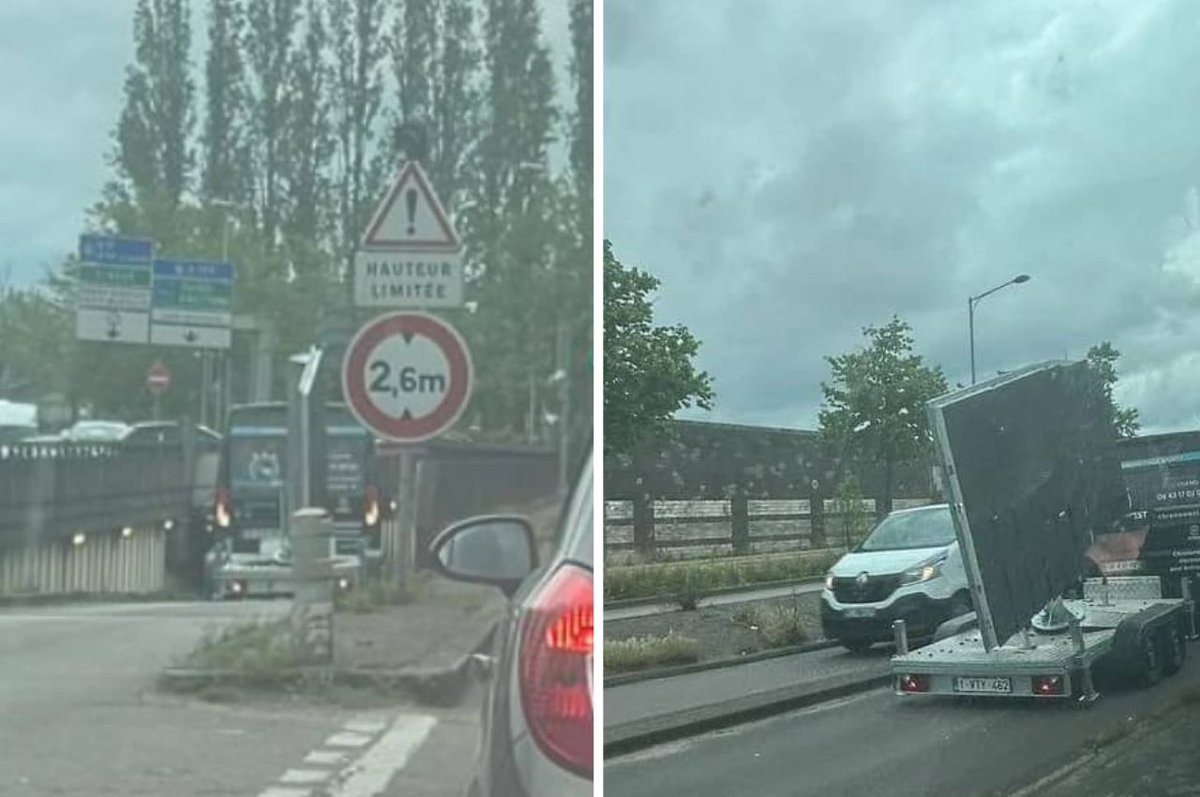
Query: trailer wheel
1174, 649
1150, 659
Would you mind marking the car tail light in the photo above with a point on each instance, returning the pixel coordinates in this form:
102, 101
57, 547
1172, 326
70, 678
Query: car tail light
914, 683
371, 507
221, 509
556, 662
1047, 685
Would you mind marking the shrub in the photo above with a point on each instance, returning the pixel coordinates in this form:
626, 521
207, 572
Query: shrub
690, 580
639, 653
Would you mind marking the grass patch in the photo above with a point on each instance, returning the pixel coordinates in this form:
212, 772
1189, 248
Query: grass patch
640, 653
254, 649
781, 625
379, 593
688, 580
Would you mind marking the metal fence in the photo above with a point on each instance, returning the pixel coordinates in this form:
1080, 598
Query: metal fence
696, 529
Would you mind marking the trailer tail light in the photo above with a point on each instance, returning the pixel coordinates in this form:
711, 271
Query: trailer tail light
371, 507
914, 684
1047, 685
556, 663
222, 514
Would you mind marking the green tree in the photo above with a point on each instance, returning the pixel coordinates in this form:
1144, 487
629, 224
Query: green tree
648, 370
1103, 359
358, 48
581, 119
514, 221
307, 148
874, 407
269, 44
224, 172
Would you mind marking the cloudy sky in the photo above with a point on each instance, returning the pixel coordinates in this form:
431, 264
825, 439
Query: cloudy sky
61, 71
794, 170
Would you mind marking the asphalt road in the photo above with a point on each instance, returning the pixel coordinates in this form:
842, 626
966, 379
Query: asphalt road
879, 743
659, 696
79, 716
723, 599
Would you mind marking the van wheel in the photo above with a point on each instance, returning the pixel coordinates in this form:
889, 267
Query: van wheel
960, 604
1174, 650
856, 645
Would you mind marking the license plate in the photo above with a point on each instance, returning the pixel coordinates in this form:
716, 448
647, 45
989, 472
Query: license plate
859, 613
983, 686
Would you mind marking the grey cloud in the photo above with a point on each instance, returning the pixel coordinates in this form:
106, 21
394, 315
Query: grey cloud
811, 168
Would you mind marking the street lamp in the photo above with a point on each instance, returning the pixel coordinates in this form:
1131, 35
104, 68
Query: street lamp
974, 300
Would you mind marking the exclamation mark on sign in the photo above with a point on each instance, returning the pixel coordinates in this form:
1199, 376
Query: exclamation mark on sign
410, 197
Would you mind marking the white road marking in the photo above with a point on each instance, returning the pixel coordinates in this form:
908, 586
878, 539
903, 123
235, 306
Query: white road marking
326, 758
366, 726
277, 791
370, 774
305, 776
348, 740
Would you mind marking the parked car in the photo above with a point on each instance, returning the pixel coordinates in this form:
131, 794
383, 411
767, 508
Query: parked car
96, 432
909, 567
168, 433
17, 421
536, 738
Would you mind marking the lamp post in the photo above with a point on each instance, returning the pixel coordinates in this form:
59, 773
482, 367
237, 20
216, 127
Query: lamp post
974, 300
227, 207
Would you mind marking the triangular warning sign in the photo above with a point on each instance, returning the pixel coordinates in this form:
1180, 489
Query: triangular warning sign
411, 218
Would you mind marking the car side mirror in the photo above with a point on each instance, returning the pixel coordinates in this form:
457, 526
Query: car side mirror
492, 549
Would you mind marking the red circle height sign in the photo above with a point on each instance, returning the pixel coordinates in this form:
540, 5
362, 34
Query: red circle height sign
407, 376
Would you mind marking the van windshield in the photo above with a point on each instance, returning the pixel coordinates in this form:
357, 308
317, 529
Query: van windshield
927, 528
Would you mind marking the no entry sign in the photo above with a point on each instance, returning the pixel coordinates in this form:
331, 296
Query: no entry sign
158, 379
407, 376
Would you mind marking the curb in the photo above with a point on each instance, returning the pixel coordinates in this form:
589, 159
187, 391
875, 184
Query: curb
650, 732
435, 687
715, 664
630, 603
440, 687
89, 598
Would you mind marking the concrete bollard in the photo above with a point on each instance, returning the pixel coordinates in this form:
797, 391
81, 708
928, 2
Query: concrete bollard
313, 585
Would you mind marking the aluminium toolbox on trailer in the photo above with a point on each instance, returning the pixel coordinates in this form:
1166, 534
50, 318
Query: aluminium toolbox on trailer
1028, 460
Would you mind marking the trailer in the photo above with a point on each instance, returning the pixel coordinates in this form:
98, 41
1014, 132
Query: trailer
1029, 462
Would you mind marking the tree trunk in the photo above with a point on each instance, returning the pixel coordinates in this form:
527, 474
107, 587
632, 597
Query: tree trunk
883, 505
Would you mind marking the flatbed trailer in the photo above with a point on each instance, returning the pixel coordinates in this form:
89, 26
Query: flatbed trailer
1029, 462
1121, 625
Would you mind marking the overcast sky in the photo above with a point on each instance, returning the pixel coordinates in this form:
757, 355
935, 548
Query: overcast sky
62, 66
794, 170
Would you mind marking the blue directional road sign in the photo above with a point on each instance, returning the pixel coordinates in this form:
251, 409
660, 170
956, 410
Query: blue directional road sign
192, 303
113, 290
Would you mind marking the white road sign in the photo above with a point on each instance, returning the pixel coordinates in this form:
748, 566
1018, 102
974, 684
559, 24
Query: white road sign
113, 285
399, 279
410, 255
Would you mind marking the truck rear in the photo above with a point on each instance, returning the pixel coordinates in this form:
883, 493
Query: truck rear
251, 551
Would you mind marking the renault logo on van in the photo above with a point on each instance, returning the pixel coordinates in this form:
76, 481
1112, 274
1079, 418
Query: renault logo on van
862, 579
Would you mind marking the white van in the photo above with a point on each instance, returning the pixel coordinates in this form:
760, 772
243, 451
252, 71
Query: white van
909, 567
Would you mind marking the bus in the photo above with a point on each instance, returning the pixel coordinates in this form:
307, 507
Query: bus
250, 504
